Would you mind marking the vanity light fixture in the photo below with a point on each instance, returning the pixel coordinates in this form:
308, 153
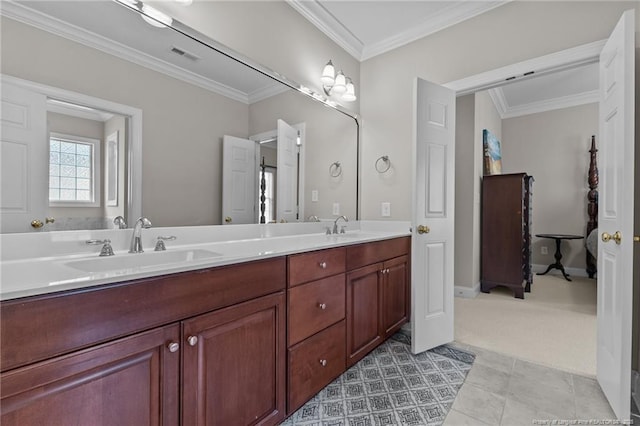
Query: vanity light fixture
338, 84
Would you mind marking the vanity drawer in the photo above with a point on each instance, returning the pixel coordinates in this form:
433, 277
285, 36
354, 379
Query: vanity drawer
366, 254
315, 306
311, 266
314, 363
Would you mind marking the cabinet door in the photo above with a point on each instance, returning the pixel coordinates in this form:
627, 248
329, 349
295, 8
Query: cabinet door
132, 381
395, 295
363, 307
234, 364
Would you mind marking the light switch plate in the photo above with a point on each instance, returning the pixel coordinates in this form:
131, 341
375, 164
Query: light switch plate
336, 208
386, 209
314, 195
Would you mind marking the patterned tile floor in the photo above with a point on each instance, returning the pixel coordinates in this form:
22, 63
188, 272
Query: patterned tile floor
390, 386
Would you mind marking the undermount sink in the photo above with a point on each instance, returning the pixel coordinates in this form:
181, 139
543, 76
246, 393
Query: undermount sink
140, 260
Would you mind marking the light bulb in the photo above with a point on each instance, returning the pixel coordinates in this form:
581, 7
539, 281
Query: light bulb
340, 85
350, 94
328, 74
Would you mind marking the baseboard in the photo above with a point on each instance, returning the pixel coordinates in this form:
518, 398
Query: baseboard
467, 292
576, 272
635, 392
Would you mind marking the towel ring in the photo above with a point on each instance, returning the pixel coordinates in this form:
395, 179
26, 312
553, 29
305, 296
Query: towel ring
335, 169
385, 160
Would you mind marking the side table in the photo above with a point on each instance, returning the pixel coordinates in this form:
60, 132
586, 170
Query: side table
558, 255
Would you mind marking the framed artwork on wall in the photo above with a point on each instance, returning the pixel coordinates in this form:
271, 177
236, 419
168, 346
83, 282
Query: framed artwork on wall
491, 153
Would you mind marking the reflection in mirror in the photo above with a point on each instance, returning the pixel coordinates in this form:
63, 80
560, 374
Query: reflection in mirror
181, 98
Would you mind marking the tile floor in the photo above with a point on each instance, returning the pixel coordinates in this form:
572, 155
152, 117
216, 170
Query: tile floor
500, 390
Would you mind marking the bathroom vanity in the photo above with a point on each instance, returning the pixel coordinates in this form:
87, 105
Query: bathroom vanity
247, 342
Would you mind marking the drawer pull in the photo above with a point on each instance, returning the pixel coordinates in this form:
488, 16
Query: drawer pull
193, 340
322, 306
323, 362
323, 265
173, 347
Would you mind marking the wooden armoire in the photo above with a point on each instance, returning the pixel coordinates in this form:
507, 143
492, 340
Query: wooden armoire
506, 232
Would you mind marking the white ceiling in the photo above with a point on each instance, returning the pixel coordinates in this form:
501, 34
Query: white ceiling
366, 28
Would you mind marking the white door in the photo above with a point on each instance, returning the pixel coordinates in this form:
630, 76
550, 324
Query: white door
239, 174
433, 208
615, 214
287, 173
24, 151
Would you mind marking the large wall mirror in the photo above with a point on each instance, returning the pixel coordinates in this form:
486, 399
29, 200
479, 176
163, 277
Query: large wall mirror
106, 114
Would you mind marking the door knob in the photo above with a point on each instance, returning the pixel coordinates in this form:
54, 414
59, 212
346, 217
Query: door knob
50, 219
617, 237
227, 219
36, 223
422, 229
636, 238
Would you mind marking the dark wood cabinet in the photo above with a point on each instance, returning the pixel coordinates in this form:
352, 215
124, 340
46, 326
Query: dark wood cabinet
377, 305
314, 363
395, 295
378, 294
363, 312
242, 344
215, 351
130, 381
506, 232
234, 364
316, 309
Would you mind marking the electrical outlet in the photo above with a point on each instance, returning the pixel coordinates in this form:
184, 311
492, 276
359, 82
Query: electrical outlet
386, 209
314, 195
336, 209
544, 250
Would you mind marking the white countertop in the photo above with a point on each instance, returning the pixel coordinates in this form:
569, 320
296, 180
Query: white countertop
40, 263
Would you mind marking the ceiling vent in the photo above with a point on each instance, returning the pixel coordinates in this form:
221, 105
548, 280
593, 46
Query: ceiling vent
184, 53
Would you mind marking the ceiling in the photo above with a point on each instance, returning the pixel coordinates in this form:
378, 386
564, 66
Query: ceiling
366, 28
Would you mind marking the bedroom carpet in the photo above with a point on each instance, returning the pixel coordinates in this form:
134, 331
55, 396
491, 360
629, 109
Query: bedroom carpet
555, 325
390, 386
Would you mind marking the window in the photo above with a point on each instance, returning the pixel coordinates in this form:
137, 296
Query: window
74, 171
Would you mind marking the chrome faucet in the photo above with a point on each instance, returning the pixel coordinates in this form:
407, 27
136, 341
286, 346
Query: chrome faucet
120, 222
136, 240
335, 224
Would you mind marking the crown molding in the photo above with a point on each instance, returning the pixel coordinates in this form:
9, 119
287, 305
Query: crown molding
322, 19
499, 101
60, 28
315, 13
452, 15
557, 61
552, 104
267, 92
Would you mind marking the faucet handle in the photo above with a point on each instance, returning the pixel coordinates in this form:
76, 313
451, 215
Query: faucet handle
328, 229
106, 250
342, 229
160, 243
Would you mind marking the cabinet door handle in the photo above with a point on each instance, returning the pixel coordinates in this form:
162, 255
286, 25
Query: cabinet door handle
323, 265
322, 306
323, 362
193, 340
173, 347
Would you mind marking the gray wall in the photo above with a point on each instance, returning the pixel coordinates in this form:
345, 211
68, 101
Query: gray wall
553, 147
511, 33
